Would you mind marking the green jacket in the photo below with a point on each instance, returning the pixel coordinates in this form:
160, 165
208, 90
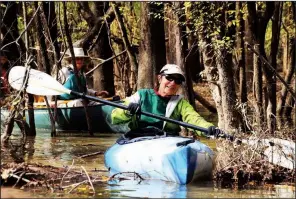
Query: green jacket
175, 108
69, 81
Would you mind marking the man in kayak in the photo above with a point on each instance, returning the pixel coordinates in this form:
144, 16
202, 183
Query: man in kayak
67, 77
163, 100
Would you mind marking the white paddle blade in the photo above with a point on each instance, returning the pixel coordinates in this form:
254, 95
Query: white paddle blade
282, 156
39, 83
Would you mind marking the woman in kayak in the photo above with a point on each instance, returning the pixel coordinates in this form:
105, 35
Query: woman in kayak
68, 79
163, 100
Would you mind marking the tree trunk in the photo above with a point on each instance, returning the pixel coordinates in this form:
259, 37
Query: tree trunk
177, 46
288, 110
70, 45
98, 22
192, 58
130, 53
103, 76
147, 65
285, 47
205, 103
8, 127
45, 66
169, 25
152, 46
257, 88
226, 80
270, 76
211, 75
30, 103
49, 12
257, 72
241, 54
249, 60
257, 21
288, 78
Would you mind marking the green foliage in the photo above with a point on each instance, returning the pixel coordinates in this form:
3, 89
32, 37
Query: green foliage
288, 23
20, 24
268, 36
287, 27
131, 13
77, 25
208, 21
30, 12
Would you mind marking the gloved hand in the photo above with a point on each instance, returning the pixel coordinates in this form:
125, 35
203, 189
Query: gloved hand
134, 108
216, 132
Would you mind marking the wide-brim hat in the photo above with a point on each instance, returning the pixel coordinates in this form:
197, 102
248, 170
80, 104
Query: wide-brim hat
78, 52
170, 69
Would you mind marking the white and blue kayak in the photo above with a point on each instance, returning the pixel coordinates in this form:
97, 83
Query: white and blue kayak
175, 159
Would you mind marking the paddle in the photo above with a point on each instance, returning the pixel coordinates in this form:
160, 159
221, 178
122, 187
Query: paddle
40, 83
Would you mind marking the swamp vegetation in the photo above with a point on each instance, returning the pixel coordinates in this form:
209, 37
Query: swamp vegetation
238, 57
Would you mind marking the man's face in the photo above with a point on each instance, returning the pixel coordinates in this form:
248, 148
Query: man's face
3, 59
79, 62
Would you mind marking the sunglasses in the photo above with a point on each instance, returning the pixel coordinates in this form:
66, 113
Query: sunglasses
171, 78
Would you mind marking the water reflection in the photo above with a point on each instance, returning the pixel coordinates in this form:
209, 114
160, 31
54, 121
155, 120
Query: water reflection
19, 150
60, 151
147, 189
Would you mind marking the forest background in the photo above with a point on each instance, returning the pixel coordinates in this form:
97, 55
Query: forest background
243, 51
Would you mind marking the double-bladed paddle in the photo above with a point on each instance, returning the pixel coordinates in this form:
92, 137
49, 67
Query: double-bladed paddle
40, 83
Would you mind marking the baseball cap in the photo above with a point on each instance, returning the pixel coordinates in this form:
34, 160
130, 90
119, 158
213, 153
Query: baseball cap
169, 69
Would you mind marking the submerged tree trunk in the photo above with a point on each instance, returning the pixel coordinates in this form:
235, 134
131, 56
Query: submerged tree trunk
70, 45
30, 105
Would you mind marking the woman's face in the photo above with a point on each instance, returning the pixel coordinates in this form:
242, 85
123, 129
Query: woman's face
169, 84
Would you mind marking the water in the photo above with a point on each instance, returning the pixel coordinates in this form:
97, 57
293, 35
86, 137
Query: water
65, 150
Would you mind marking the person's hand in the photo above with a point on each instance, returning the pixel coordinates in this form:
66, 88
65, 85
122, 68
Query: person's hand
216, 132
102, 93
134, 108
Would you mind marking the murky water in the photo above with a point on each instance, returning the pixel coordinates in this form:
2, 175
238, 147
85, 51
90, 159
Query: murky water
65, 150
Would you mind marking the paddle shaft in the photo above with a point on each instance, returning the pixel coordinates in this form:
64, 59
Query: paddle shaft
82, 95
